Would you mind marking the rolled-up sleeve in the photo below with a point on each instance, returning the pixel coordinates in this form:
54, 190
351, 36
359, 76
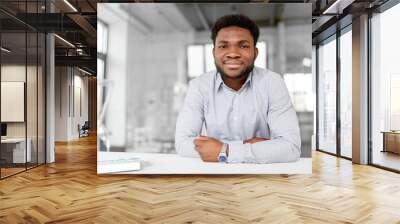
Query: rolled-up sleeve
189, 122
285, 142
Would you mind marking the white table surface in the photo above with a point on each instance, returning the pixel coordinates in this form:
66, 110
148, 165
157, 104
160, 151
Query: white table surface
156, 163
19, 151
13, 140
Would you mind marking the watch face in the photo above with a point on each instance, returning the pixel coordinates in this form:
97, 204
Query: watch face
222, 158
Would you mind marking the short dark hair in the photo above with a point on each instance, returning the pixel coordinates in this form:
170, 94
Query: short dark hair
235, 20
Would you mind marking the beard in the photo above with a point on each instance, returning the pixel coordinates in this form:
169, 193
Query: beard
242, 76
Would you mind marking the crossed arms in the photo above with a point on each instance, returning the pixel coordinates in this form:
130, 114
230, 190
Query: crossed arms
283, 145
209, 148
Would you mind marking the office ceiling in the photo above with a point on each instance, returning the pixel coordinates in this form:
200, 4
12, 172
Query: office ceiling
203, 16
76, 25
200, 17
76, 22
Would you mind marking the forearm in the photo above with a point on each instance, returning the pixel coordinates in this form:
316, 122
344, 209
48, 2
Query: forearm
185, 147
271, 151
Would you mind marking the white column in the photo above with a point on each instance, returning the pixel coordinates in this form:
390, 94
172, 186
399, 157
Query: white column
360, 90
50, 99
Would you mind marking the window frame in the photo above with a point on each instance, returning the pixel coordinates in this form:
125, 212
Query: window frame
378, 10
333, 37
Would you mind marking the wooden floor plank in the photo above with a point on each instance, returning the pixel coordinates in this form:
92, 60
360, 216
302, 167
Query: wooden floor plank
70, 191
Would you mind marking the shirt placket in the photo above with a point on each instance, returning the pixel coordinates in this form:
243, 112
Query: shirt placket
235, 117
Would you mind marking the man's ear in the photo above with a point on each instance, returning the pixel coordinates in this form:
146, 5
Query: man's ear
255, 53
213, 52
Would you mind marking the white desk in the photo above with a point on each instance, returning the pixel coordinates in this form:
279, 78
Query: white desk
156, 163
19, 149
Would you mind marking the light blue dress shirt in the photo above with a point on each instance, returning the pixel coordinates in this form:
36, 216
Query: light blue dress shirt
260, 108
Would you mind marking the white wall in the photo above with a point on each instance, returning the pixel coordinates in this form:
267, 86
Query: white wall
67, 80
61, 103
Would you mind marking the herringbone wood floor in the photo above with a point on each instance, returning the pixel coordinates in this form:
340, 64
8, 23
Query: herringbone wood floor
70, 191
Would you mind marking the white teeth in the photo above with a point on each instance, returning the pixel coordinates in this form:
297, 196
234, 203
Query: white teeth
232, 63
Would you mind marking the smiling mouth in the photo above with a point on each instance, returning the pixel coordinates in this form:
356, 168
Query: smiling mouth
232, 64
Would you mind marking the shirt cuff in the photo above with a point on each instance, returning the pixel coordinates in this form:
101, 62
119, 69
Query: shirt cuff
237, 151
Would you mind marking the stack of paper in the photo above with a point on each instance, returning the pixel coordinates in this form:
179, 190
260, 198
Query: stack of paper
119, 165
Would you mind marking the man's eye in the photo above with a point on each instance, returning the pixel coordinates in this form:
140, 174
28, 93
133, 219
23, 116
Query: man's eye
222, 46
245, 46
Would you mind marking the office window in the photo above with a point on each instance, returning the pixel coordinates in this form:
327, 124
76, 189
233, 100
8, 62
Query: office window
210, 65
102, 40
196, 60
300, 89
201, 60
102, 43
385, 88
261, 60
100, 67
346, 94
327, 96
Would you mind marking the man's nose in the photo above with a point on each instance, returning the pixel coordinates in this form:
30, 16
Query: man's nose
233, 52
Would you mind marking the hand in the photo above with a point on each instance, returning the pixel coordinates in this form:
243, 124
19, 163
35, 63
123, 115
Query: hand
255, 140
208, 148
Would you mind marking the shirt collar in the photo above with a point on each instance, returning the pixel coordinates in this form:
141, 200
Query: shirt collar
219, 82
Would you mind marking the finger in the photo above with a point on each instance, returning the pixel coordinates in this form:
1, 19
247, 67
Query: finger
198, 141
202, 138
262, 139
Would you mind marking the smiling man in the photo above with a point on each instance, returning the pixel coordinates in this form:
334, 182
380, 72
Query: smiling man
246, 110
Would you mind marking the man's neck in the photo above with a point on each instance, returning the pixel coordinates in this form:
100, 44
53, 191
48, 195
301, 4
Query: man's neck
235, 84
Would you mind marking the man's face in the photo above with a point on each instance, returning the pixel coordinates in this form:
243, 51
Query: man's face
234, 52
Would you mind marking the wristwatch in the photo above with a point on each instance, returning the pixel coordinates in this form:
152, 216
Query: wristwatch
222, 157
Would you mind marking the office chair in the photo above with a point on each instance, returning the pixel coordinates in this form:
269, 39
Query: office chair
84, 130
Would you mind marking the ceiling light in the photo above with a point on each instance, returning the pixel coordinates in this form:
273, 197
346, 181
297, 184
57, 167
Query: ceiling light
5, 50
86, 72
65, 41
337, 7
70, 5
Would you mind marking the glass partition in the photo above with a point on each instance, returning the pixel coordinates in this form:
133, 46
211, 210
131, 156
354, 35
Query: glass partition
13, 110
22, 90
385, 89
327, 96
346, 93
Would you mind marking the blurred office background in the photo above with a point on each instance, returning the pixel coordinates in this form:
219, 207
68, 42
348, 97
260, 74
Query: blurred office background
147, 54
